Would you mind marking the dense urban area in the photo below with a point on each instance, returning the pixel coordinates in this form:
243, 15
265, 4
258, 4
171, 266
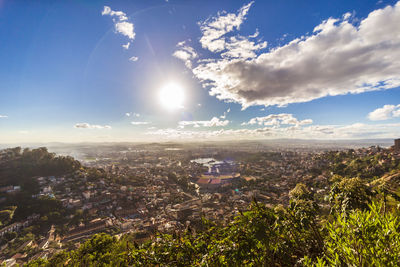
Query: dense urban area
52, 205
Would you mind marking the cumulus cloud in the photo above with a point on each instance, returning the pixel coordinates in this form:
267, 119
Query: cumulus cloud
185, 53
242, 47
85, 125
121, 24
119, 14
214, 122
134, 59
353, 131
327, 132
214, 28
125, 28
277, 120
140, 122
3, 116
178, 134
384, 113
339, 57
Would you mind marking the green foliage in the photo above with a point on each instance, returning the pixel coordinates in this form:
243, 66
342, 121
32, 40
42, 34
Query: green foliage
349, 164
364, 238
258, 237
100, 250
35, 162
349, 194
7, 214
300, 192
18, 168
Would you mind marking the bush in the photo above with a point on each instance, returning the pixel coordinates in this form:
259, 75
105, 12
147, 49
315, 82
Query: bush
363, 238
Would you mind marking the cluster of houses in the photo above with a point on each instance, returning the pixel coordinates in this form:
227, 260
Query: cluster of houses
220, 174
140, 194
17, 226
10, 189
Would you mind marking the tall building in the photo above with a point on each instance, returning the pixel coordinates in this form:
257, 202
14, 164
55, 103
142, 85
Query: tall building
397, 145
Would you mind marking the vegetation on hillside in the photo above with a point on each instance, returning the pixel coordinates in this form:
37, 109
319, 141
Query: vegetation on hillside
356, 224
358, 231
19, 168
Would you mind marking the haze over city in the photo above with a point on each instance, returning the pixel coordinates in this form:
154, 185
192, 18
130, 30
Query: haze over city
144, 71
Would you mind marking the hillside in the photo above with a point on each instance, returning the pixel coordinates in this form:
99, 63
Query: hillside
352, 221
358, 231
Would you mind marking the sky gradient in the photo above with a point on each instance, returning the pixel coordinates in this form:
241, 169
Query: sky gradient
81, 71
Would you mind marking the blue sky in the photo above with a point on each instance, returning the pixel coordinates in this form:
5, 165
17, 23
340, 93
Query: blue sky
247, 70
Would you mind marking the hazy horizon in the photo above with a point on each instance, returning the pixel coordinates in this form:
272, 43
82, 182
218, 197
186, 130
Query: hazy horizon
174, 70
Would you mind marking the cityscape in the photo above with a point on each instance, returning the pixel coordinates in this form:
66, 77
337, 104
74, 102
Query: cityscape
142, 190
199, 133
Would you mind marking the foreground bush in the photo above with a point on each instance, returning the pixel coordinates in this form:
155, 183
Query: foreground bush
261, 236
364, 238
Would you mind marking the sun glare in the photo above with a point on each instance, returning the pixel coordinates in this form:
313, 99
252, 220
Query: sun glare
171, 96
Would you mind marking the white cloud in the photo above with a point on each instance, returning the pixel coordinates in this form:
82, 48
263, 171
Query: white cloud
346, 16
125, 28
225, 113
337, 58
121, 23
384, 113
126, 46
214, 122
134, 59
119, 14
140, 122
327, 132
241, 47
353, 131
185, 53
85, 125
214, 29
177, 134
134, 114
3, 116
277, 120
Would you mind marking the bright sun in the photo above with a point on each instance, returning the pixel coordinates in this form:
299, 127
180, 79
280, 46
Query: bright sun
171, 96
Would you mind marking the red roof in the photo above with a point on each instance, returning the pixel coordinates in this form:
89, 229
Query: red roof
215, 181
203, 181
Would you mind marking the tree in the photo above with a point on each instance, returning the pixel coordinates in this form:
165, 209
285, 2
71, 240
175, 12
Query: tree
349, 194
302, 212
